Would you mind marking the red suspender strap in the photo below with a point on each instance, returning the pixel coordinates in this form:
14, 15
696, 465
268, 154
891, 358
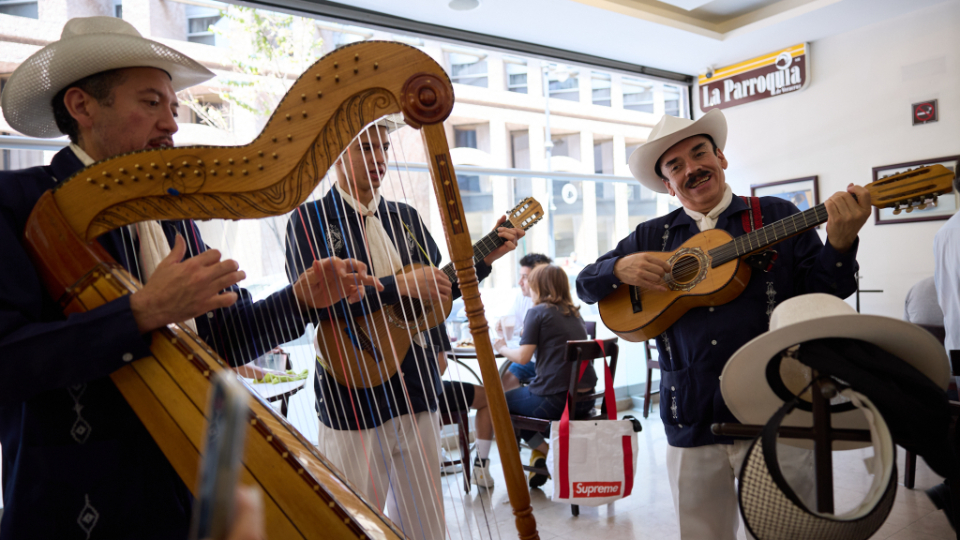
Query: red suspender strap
752, 220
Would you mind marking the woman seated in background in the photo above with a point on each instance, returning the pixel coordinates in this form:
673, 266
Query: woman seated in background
549, 324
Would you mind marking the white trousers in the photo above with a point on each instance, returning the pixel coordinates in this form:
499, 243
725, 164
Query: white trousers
702, 481
397, 466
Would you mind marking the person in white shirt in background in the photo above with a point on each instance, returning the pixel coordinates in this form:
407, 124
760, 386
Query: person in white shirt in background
518, 374
946, 254
946, 276
921, 305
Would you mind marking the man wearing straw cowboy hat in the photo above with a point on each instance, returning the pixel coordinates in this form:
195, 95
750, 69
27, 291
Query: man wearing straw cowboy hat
77, 462
685, 158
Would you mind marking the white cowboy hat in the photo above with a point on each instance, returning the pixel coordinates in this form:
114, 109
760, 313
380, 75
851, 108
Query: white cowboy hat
87, 46
392, 122
754, 387
668, 132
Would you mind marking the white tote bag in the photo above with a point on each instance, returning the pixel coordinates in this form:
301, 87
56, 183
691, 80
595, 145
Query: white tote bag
593, 460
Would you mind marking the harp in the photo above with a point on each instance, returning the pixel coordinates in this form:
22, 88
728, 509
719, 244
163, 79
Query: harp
305, 496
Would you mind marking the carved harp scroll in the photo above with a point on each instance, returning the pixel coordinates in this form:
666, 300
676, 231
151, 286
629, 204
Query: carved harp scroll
327, 107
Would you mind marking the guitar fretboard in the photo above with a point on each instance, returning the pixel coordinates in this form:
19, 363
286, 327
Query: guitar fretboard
481, 249
769, 235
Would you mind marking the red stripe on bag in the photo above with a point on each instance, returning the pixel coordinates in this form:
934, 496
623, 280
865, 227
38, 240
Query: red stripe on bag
627, 465
564, 450
563, 476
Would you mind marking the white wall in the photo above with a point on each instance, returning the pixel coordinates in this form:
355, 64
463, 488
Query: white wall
855, 115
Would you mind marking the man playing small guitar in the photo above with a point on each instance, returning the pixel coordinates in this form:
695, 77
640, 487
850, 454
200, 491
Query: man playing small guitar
685, 158
385, 438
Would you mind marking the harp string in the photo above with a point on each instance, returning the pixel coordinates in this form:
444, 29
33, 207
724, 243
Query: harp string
484, 496
350, 244
428, 337
340, 346
399, 426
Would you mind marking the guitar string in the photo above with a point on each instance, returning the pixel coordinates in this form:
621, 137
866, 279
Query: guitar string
745, 243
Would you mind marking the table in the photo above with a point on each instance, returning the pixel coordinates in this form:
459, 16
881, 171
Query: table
277, 392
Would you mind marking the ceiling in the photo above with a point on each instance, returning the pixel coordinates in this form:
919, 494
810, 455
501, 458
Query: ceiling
657, 33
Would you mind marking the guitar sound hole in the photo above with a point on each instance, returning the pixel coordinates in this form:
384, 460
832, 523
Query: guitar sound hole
408, 309
685, 269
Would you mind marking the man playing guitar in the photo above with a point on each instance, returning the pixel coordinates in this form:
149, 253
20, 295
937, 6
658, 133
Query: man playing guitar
393, 426
685, 158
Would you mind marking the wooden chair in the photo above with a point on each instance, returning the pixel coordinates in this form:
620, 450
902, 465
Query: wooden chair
462, 420
910, 459
577, 352
591, 327
651, 365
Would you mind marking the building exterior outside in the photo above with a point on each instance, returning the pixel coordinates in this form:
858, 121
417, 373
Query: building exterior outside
596, 118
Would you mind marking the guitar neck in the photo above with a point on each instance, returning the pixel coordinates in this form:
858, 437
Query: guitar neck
764, 237
481, 249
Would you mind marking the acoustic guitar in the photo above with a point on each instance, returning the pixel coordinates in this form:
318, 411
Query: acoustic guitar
366, 351
709, 269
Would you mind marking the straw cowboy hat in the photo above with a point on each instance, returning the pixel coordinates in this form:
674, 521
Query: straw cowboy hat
668, 132
759, 378
87, 46
392, 122
773, 509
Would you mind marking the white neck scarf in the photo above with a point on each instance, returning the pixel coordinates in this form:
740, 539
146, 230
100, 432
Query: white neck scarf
384, 256
153, 243
709, 220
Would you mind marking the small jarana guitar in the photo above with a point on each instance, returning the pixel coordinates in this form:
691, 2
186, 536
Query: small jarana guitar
364, 352
709, 270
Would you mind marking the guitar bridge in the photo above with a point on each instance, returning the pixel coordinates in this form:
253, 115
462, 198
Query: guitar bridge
635, 299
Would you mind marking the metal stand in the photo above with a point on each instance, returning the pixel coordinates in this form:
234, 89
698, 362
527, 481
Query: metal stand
823, 435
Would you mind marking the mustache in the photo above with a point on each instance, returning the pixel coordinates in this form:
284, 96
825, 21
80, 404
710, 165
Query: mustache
696, 177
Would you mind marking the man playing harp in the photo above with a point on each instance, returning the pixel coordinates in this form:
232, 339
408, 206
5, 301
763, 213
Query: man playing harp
386, 438
77, 462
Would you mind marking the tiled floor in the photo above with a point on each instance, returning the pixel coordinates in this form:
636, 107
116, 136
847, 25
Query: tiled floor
648, 512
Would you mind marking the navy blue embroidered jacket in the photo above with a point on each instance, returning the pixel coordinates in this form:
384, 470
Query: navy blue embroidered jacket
330, 226
77, 462
694, 350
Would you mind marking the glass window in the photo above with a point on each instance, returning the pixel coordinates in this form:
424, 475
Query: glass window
468, 69
563, 83
637, 95
516, 75
198, 29
20, 8
118, 11
672, 101
601, 89
464, 138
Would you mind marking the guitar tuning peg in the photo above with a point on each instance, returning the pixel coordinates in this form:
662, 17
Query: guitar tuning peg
896, 211
922, 206
910, 209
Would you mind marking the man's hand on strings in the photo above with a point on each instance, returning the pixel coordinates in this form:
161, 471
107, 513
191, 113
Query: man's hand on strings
333, 279
180, 290
644, 270
426, 283
510, 239
846, 215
